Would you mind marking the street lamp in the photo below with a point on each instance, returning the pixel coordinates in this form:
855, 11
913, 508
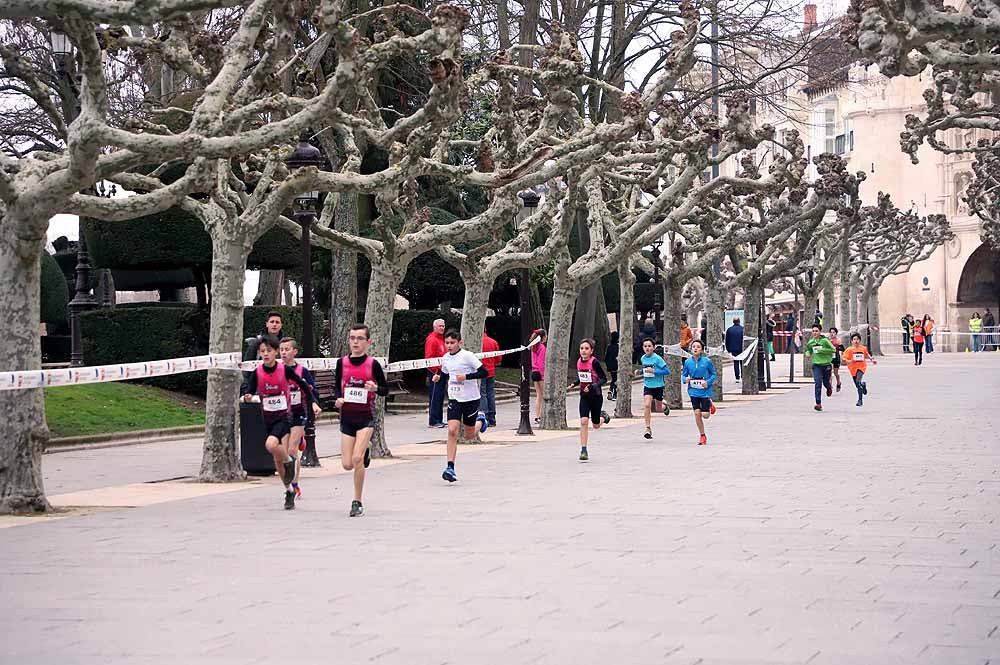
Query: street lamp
529, 202
658, 290
304, 209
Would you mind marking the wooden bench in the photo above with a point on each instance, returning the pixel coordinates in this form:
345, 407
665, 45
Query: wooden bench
326, 380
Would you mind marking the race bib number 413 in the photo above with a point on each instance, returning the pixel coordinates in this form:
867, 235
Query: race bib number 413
454, 390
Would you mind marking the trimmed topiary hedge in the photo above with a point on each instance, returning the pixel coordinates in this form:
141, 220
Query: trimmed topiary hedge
54, 294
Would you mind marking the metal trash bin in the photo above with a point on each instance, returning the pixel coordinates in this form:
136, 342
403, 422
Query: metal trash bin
254, 458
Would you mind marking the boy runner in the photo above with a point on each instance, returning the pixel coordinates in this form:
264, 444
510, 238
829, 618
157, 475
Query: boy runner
699, 374
359, 379
590, 378
654, 368
821, 350
461, 368
269, 382
289, 351
855, 355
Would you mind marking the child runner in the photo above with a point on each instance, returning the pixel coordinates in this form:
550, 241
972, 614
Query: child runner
359, 380
699, 375
461, 368
822, 351
654, 368
917, 333
538, 369
839, 346
289, 351
269, 382
590, 378
856, 354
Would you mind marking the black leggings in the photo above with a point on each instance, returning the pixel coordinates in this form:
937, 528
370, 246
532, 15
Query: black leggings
918, 352
859, 378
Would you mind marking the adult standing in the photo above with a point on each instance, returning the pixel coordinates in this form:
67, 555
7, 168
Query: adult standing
917, 333
790, 329
434, 348
734, 343
770, 336
273, 327
821, 350
976, 328
904, 323
687, 336
989, 323
538, 369
704, 332
928, 323
611, 362
646, 331
487, 386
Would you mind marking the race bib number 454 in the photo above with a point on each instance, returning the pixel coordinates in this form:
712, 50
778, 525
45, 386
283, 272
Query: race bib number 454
274, 403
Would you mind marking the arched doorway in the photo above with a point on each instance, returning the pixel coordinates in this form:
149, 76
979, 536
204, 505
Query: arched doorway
979, 285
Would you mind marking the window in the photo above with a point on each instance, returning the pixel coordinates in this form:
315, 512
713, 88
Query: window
850, 140
830, 121
840, 144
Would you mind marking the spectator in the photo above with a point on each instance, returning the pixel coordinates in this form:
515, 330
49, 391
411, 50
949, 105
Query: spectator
434, 348
611, 362
273, 325
790, 329
904, 323
734, 343
770, 336
818, 318
487, 386
648, 329
928, 333
989, 323
704, 333
686, 335
976, 328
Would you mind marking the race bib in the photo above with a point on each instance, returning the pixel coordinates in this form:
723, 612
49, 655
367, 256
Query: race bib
585, 377
648, 372
296, 397
698, 383
356, 395
454, 390
858, 357
275, 403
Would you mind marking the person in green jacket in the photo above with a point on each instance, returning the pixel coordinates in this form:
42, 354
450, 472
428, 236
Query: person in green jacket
821, 350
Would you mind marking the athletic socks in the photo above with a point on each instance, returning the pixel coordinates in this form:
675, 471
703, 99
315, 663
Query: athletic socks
451, 465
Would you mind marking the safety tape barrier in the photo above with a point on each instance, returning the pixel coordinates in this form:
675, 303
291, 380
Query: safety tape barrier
717, 351
45, 378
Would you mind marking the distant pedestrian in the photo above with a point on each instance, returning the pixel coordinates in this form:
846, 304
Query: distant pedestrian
976, 328
611, 362
790, 329
917, 333
734, 344
928, 333
538, 368
434, 347
989, 325
686, 334
905, 323
704, 333
770, 336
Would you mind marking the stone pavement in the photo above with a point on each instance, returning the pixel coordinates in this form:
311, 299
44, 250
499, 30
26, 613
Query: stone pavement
851, 536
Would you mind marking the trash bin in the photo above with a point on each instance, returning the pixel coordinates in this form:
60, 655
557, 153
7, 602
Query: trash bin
254, 457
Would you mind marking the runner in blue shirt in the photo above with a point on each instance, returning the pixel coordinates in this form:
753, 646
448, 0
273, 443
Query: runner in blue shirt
654, 368
699, 375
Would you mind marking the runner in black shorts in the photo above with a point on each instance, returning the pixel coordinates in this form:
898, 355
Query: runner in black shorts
300, 416
359, 380
461, 369
699, 374
590, 378
837, 344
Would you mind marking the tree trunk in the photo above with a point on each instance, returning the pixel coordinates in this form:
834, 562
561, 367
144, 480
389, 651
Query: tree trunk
344, 278
558, 350
269, 288
474, 310
875, 323
220, 460
830, 304
525, 57
751, 315
382, 288
602, 331
672, 308
535, 313
716, 334
809, 297
286, 288
626, 331
23, 432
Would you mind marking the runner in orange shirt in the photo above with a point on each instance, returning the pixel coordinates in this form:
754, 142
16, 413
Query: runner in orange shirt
856, 355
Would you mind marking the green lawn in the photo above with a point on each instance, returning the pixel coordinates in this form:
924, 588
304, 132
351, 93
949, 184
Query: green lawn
103, 408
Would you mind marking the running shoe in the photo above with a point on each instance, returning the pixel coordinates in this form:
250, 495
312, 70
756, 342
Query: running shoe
357, 510
368, 457
649, 433
302, 446
829, 392
666, 410
838, 387
605, 417
711, 409
449, 474
288, 472
859, 403
864, 387
439, 426
483, 425
492, 423
289, 500
702, 440
583, 455
297, 490
818, 407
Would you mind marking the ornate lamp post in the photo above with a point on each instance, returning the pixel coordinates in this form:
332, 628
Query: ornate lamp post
657, 288
304, 212
529, 201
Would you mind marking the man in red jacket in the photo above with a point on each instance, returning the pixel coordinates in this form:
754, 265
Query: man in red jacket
487, 386
434, 348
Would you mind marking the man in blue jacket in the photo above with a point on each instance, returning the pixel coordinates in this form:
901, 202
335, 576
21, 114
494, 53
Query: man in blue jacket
734, 344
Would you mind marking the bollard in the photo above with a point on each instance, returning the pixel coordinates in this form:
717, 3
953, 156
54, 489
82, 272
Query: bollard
309, 456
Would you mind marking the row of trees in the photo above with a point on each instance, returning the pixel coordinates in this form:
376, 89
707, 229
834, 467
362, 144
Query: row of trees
194, 104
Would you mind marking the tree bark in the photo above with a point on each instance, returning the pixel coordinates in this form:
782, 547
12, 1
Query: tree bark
626, 331
751, 315
220, 460
344, 277
829, 304
876, 324
474, 310
672, 308
385, 280
809, 297
716, 334
528, 35
23, 432
557, 352
269, 288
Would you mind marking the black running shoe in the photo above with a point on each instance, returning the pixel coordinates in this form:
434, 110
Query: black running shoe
288, 474
289, 500
605, 417
583, 455
357, 510
368, 458
864, 387
648, 434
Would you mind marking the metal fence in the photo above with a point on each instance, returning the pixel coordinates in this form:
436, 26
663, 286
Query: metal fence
948, 341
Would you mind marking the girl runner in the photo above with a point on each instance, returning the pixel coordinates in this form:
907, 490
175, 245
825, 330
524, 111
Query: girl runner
856, 354
839, 346
654, 368
590, 378
917, 334
699, 375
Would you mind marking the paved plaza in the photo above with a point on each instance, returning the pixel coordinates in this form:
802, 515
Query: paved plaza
849, 536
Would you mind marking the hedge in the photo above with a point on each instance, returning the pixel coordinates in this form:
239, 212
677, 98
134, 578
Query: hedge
54, 294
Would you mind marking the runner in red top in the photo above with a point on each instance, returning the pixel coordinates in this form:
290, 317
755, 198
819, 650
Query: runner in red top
289, 351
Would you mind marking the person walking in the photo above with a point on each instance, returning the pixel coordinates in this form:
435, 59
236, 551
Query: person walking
928, 333
917, 334
821, 350
904, 323
434, 347
487, 386
538, 369
770, 336
734, 343
989, 326
976, 328
698, 373
611, 362
856, 355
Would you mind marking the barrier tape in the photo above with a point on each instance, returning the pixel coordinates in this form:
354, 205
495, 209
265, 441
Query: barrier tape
45, 378
718, 351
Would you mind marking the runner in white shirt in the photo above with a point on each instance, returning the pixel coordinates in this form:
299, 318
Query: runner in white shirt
461, 369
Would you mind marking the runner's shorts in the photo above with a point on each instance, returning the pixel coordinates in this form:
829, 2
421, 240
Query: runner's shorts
278, 429
702, 404
591, 405
464, 411
349, 427
657, 393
